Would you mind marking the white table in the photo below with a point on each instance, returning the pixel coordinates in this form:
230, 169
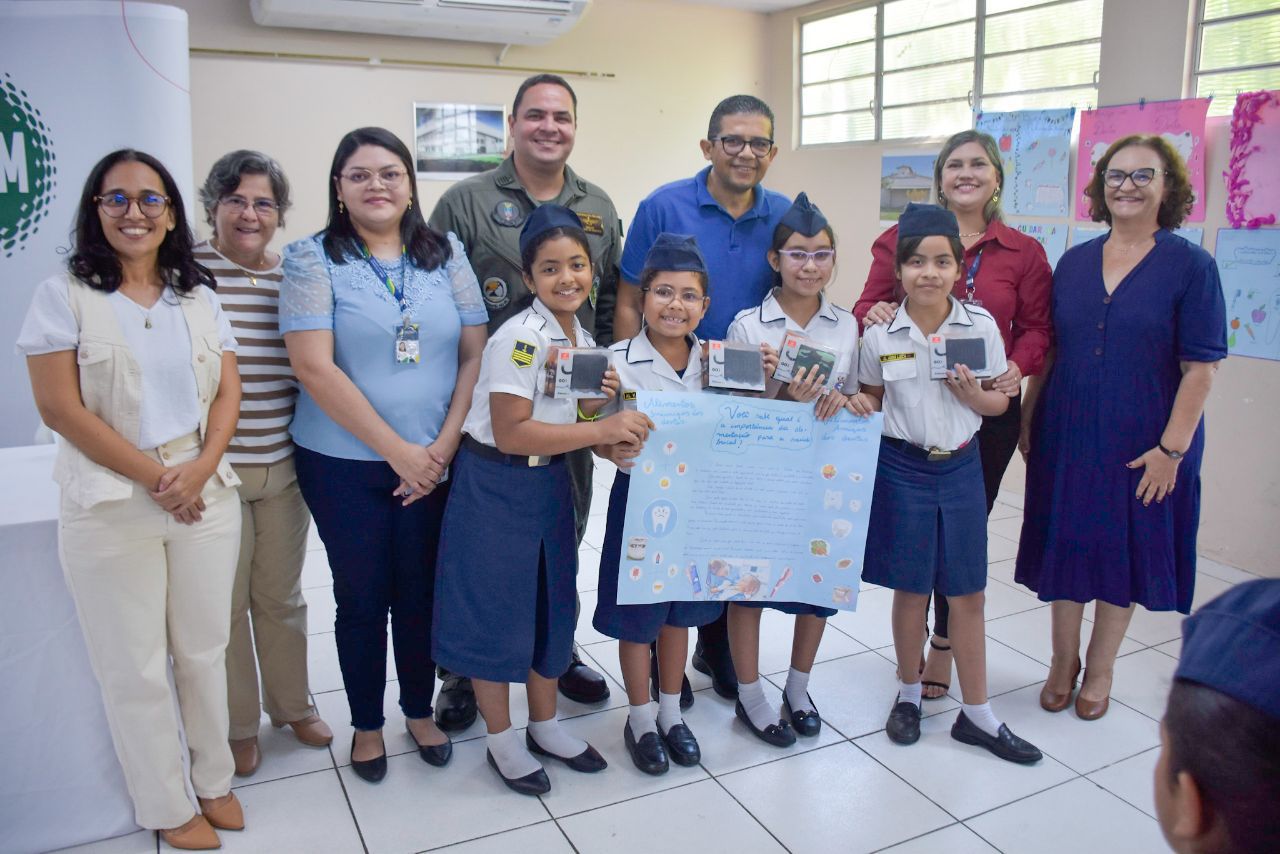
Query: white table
60, 781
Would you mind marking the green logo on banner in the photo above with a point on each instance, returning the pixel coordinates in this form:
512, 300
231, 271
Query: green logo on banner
27, 170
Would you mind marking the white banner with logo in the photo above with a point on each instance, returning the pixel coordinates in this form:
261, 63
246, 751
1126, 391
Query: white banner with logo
78, 79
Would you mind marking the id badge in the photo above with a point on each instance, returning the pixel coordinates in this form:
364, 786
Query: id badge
408, 351
970, 299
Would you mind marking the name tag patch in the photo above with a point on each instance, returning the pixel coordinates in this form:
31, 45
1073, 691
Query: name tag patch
591, 223
896, 357
522, 354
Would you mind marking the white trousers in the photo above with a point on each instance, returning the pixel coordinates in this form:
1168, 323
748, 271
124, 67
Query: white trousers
149, 589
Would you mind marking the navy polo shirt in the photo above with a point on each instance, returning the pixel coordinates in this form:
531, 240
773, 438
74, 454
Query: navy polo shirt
736, 249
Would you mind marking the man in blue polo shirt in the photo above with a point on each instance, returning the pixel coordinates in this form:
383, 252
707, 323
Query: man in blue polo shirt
733, 219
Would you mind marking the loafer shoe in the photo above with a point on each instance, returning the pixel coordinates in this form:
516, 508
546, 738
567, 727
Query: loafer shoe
530, 784
588, 761
246, 754
724, 679
224, 813
779, 735
311, 730
804, 722
432, 754
582, 684
686, 690
195, 835
456, 704
648, 754
1004, 743
682, 747
903, 726
369, 770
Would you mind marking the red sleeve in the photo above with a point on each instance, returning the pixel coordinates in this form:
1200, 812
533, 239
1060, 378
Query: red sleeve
1032, 328
881, 281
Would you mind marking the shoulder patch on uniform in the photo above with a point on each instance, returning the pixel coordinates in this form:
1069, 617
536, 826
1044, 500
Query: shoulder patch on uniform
522, 354
896, 357
592, 223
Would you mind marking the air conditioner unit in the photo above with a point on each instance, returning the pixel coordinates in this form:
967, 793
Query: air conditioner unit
496, 21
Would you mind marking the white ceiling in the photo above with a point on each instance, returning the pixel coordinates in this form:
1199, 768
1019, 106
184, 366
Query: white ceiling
753, 5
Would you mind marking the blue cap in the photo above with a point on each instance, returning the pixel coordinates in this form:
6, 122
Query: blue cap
1232, 645
927, 221
803, 217
544, 218
674, 253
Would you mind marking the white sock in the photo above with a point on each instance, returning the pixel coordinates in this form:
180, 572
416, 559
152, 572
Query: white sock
513, 758
641, 719
983, 718
751, 696
797, 691
909, 692
669, 711
552, 738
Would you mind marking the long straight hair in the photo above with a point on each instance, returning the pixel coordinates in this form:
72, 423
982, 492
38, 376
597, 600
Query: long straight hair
426, 247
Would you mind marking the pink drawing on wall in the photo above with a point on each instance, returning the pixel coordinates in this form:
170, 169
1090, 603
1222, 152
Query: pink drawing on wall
1180, 122
1252, 176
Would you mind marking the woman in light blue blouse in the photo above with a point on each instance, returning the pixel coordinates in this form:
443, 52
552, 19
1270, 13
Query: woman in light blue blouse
385, 325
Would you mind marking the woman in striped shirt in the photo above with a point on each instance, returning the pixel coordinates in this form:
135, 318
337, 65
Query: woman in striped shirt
245, 197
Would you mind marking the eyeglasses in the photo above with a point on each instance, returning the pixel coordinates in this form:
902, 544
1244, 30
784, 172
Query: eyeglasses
666, 293
390, 177
799, 257
116, 205
760, 145
1141, 177
239, 204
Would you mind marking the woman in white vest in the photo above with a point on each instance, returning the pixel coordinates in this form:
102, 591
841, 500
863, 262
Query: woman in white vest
133, 364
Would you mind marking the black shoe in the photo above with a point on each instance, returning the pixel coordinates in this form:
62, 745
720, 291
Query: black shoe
588, 761
582, 684
648, 754
804, 722
1004, 743
432, 754
530, 784
724, 679
682, 747
779, 735
369, 770
456, 705
904, 723
686, 690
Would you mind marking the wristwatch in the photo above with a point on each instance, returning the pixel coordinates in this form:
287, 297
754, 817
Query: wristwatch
1173, 455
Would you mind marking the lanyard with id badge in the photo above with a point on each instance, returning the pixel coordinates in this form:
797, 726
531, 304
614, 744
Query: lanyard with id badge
408, 350
970, 276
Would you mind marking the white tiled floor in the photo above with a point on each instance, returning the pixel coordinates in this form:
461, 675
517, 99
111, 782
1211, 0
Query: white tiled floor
849, 790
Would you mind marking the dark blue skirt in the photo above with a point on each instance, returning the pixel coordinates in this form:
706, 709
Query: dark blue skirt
636, 623
928, 524
798, 609
505, 589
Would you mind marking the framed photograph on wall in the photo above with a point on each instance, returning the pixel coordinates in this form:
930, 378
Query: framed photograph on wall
452, 141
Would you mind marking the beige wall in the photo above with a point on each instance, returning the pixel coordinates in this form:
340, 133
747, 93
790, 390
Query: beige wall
1241, 473
630, 137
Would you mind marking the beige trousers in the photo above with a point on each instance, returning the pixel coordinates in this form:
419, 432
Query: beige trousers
147, 589
268, 588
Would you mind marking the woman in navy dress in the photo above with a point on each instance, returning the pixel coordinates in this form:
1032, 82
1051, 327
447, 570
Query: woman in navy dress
1113, 467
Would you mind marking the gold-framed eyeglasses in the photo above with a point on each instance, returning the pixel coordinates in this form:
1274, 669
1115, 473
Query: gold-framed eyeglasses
390, 177
116, 205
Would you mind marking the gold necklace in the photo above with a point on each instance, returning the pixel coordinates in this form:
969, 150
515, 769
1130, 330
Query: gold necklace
973, 234
252, 274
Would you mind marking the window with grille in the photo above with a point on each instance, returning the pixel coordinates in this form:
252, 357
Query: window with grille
902, 69
1237, 50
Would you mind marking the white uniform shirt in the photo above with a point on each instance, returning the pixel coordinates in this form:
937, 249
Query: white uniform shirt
832, 327
641, 367
514, 362
920, 410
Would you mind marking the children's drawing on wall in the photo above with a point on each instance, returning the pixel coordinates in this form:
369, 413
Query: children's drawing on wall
904, 178
1253, 191
1249, 264
1035, 146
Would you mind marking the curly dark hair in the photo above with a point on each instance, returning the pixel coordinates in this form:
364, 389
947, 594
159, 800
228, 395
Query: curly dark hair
426, 247
1178, 195
94, 262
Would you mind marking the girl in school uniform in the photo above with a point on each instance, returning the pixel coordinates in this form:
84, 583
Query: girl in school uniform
508, 555
665, 356
803, 257
928, 525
